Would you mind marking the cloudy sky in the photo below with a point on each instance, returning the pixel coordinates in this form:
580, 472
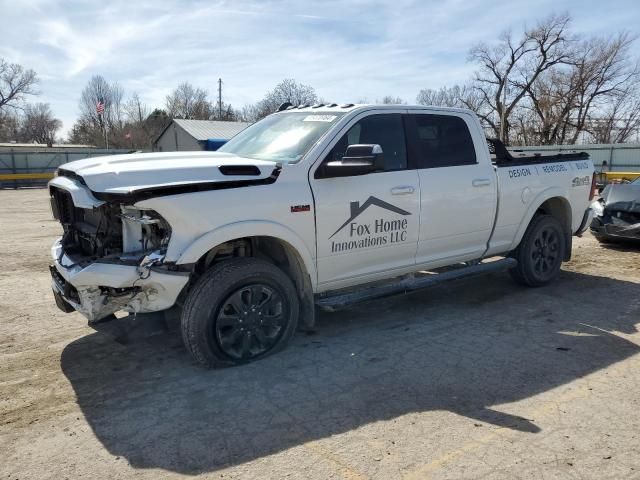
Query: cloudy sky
347, 50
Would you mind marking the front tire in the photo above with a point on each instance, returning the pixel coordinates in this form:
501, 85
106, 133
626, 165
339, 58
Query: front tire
241, 310
540, 252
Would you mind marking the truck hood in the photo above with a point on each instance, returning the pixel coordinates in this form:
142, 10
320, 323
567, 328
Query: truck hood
122, 175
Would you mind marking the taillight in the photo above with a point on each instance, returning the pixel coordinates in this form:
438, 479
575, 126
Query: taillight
594, 187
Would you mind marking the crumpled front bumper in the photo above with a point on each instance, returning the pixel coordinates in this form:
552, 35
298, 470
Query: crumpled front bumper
615, 229
100, 289
611, 226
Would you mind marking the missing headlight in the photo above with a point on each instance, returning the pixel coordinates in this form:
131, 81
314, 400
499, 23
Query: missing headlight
147, 228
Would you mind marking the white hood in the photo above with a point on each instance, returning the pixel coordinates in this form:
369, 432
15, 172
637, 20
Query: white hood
121, 174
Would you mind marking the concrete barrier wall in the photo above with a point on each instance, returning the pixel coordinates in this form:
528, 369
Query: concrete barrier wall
22, 166
33, 166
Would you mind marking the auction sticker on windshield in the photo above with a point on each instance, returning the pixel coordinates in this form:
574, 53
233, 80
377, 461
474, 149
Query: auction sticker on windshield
319, 118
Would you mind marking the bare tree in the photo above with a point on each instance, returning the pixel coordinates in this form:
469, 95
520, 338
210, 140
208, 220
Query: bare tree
9, 126
112, 96
287, 90
547, 86
135, 110
15, 84
141, 126
509, 69
226, 114
545, 118
189, 102
136, 129
443, 97
39, 124
599, 81
391, 100
464, 96
619, 120
604, 77
91, 127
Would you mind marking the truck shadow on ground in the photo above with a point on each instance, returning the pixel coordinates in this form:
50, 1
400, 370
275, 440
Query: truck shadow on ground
462, 347
623, 245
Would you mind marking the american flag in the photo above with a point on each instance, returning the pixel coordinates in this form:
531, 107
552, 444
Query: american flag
100, 106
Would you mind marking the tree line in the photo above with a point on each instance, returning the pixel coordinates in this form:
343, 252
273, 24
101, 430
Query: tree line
548, 86
18, 120
541, 86
130, 123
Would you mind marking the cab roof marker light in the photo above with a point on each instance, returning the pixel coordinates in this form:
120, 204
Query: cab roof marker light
284, 106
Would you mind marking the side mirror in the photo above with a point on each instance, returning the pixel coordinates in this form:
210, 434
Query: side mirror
357, 160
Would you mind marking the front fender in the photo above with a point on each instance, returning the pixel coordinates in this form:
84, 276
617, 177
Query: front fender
244, 229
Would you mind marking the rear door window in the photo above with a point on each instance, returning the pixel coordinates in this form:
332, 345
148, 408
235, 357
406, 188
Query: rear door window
441, 141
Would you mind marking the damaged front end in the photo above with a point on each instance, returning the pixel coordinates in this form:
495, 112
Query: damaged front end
111, 256
617, 213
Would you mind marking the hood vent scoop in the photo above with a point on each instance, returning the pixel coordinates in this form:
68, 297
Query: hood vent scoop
250, 170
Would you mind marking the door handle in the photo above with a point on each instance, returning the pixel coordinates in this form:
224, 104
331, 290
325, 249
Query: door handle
481, 182
404, 190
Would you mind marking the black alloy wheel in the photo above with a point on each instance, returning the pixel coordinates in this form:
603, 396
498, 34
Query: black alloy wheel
544, 251
240, 310
250, 321
540, 252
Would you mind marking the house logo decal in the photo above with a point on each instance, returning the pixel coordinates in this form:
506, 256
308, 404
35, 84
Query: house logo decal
380, 232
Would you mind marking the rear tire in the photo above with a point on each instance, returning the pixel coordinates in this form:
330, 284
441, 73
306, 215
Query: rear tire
540, 252
241, 310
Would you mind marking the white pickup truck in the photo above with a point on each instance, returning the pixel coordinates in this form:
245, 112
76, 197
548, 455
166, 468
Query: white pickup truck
320, 205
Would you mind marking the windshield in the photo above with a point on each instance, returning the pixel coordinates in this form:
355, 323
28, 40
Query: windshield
636, 181
285, 137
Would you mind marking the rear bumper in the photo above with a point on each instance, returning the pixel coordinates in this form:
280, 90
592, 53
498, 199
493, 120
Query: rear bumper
99, 289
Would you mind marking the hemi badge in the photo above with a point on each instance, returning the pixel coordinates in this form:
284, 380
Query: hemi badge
300, 208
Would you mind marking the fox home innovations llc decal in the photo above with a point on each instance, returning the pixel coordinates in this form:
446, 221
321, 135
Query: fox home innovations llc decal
381, 231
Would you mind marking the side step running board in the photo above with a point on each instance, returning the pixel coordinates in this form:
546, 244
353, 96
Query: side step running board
409, 284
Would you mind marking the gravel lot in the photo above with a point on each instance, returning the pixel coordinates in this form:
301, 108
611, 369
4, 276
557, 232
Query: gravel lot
477, 378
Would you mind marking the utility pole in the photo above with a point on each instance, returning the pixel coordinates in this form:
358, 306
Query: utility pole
220, 99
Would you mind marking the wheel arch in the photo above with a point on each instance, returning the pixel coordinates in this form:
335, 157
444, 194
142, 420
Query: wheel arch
553, 202
275, 243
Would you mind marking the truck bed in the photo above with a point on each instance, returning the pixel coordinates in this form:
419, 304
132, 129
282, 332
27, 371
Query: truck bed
502, 157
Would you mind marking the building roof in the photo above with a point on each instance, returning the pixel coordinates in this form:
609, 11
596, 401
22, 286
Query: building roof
43, 145
206, 129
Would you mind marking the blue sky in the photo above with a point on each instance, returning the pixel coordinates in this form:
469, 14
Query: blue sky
347, 50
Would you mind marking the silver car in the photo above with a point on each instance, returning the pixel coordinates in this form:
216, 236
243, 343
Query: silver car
617, 212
